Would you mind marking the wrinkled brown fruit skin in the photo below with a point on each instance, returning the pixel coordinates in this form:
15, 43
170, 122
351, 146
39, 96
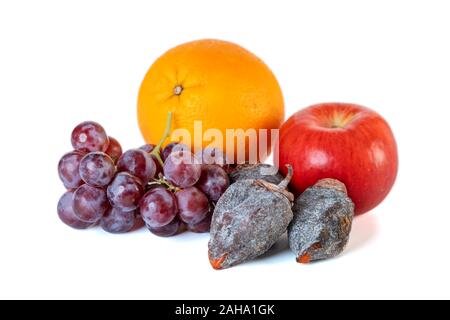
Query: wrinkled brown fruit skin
322, 222
247, 221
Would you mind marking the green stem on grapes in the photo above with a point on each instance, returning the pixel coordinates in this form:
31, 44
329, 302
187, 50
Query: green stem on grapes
165, 183
156, 150
158, 157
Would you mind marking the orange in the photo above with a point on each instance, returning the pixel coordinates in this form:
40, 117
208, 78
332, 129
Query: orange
217, 82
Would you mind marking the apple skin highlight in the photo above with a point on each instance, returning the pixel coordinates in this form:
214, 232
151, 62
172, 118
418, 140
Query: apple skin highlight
342, 141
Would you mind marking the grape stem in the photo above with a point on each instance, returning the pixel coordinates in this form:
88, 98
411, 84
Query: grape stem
163, 182
156, 151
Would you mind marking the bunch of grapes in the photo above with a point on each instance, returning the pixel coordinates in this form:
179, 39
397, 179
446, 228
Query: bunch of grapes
169, 189
185, 195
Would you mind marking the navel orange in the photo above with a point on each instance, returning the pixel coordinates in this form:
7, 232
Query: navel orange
217, 82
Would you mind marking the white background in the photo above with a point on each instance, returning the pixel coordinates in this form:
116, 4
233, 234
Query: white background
62, 62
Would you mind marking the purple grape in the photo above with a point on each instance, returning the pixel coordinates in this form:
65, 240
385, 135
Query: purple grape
66, 214
172, 147
159, 168
125, 191
213, 181
148, 147
169, 230
202, 226
68, 169
193, 205
139, 163
90, 203
182, 169
114, 149
89, 136
158, 207
168, 150
139, 223
212, 156
97, 169
117, 221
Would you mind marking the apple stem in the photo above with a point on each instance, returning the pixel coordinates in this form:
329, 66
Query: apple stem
166, 133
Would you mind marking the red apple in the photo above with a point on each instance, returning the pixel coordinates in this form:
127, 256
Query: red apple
343, 141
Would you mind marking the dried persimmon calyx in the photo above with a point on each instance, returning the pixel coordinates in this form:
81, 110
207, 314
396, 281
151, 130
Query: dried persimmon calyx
322, 222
